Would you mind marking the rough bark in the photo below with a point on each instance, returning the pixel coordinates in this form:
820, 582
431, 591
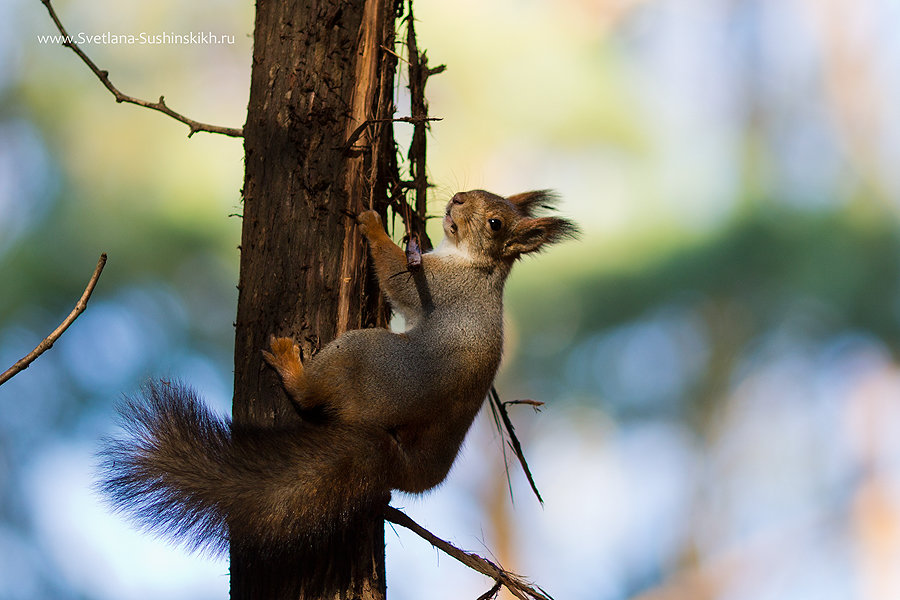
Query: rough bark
319, 72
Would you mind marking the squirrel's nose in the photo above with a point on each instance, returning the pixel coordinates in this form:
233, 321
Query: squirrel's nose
458, 198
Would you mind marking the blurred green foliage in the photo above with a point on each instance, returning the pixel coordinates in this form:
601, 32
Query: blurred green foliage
810, 276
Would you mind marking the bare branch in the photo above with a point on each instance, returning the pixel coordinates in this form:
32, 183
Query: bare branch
48, 341
160, 105
517, 586
419, 72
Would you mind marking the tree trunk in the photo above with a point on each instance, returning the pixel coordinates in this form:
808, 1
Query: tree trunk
319, 73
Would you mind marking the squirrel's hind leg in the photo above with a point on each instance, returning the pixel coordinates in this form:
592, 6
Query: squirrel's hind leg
285, 358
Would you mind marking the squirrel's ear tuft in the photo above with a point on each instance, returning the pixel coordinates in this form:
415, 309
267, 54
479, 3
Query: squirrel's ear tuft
530, 203
530, 235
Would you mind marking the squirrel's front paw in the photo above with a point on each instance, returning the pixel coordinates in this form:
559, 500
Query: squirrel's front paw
369, 221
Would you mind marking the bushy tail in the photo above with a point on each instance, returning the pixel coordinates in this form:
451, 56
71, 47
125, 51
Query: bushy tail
184, 472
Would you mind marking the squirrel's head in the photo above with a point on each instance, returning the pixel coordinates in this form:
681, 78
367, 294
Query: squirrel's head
492, 228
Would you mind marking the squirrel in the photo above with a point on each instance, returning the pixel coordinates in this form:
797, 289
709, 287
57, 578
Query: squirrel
396, 406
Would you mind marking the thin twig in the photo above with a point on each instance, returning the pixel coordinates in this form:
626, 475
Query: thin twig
500, 408
498, 423
160, 105
535, 404
515, 584
491, 593
389, 51
48, 341
368, 122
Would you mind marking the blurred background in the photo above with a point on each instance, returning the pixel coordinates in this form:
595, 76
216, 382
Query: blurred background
718, 354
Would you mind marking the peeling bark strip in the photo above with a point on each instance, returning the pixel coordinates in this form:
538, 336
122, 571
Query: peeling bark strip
318, 73
363, 106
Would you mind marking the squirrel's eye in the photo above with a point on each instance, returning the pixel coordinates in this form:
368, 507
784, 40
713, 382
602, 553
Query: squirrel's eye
495, 224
